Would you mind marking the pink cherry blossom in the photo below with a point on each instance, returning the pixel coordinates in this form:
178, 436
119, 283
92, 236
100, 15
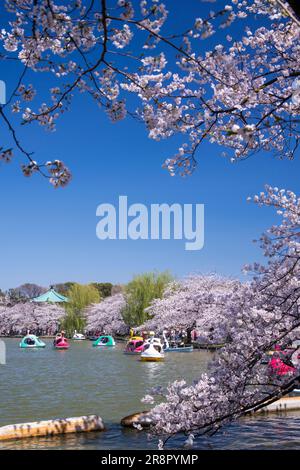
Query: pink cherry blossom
241, 94
255, 316
106, 316
42, 319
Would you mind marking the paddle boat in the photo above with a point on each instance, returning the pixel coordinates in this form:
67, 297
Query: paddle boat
135, 345
153, 339
153, 351
31, 341
104, 340
78, 336
212, 347
175, 347
93, 337
179, 348
61, 342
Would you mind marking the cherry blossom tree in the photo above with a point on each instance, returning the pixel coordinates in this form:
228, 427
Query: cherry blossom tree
262, 314
106, 316
42, 319
197, 301
242, 93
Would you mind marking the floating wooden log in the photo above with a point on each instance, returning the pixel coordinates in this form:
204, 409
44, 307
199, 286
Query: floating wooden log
52, 427
135, 419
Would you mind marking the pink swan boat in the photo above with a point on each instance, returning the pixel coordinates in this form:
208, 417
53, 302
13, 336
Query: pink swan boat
61, 342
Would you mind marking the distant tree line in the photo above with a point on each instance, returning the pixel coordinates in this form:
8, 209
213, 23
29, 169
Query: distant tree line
115, 315
30, 290
94, 306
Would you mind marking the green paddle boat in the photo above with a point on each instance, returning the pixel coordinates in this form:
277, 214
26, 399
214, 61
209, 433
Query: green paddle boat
104, 340
31, 341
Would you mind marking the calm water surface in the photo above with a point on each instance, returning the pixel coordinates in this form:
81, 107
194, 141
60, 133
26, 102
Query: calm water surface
46, 384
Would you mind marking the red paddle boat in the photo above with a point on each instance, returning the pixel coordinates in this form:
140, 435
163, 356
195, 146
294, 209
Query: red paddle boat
135, 345
61, 342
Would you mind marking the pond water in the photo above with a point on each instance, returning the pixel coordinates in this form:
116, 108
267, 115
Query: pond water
45, 384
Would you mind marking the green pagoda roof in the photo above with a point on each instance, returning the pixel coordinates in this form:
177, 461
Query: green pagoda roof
50, 296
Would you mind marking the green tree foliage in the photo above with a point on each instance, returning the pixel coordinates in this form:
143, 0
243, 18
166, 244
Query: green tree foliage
104, 288
140, 292
80, 296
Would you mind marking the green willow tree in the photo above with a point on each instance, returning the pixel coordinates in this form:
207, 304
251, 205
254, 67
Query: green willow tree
80, 296
140, 292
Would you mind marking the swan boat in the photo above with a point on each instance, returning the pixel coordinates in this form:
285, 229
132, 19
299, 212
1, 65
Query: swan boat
31, 341
104, 340
153, 351
61, 342
78, 336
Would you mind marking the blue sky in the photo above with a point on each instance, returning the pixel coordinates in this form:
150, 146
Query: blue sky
49, 235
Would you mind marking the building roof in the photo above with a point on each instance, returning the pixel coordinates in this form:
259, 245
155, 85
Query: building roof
50, 296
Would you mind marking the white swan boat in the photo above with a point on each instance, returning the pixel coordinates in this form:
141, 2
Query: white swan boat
78, 336
153, 351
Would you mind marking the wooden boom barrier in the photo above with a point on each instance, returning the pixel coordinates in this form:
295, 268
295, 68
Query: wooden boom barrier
141, 418
283, 404
52, 427
94, 422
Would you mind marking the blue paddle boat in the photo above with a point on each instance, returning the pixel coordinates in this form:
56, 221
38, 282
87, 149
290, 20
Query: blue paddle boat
179, 349
104, 340
175, 347
31, 341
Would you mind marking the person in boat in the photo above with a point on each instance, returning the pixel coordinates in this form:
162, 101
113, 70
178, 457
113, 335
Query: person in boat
144, 335
183, 339
29, 341
188, 339
60, 337
57, 338
172, 338
211, 334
